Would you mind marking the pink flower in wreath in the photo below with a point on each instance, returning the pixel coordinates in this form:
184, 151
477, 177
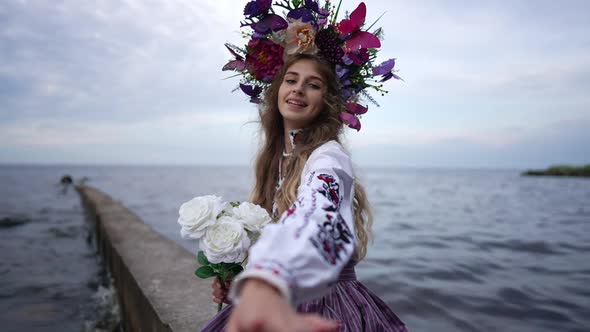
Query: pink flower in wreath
264, 59
300, 38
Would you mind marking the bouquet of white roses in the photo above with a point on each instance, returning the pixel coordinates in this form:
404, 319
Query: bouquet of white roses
225, 230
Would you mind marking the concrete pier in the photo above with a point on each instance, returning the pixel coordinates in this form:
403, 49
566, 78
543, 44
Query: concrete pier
153, 275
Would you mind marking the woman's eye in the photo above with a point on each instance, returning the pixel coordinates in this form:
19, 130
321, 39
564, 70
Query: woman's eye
315, 86
290, 81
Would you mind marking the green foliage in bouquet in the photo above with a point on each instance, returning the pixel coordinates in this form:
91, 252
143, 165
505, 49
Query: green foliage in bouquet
223, 271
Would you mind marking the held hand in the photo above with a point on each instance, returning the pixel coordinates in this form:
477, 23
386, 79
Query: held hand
263, 309
219, 294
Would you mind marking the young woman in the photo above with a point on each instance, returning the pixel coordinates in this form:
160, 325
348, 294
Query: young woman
304, 263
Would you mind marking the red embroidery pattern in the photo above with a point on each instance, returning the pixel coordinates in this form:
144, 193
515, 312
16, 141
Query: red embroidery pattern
330, 189
277, 268
291, 210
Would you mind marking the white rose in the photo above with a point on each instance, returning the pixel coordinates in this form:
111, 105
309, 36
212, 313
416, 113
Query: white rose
252, 216
226, 241
198, 214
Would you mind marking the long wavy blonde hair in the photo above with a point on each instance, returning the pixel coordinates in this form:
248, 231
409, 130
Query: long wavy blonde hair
327, 126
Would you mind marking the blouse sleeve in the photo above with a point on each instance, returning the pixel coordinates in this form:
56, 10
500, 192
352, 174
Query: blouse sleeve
303, 254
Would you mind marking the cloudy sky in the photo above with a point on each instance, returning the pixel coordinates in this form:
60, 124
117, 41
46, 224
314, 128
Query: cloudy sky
487, 84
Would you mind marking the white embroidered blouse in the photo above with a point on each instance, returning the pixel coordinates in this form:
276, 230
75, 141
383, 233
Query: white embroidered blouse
303, 254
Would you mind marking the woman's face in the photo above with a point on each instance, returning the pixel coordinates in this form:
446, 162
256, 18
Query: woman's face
301, 95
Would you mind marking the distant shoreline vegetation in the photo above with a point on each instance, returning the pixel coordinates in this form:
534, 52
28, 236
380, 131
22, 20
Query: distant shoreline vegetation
562, 170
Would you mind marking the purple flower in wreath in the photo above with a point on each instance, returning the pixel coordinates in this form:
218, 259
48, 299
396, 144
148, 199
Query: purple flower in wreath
313, 5
306, 13
351, 120
264, 59
350, 116
253, 92
346, 93
357, 57
346, 88
386, 71
257, 7
342, 72
302, 14
268, 23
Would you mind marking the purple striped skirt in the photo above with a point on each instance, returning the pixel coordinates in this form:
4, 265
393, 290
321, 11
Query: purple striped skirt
348, 302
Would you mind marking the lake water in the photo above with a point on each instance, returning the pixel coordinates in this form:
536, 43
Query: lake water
453, 250
49, 271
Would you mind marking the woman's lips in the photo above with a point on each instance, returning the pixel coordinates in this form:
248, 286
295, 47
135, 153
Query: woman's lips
297, 103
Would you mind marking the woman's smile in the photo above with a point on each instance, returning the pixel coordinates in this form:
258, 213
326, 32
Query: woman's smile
298, 103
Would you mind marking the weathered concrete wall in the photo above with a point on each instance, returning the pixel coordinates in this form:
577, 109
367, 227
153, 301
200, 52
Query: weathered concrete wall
153, 275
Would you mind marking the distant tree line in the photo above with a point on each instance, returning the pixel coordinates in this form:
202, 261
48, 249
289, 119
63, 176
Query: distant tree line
562, 170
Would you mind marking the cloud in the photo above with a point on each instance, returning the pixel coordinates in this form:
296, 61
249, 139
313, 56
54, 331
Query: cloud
197, 127
111, 61
564, 142
198, 138
490, 49
130, 74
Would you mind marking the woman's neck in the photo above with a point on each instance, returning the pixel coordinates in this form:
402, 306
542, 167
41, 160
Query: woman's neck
290, 138
287, 147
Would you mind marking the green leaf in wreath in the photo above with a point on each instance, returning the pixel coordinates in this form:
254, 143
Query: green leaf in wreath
235, 204
205, 272
202, 259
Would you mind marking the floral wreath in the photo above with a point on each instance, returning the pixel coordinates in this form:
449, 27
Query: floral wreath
311, 29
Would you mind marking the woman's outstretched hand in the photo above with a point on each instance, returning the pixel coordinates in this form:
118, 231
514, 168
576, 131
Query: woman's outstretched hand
263, 309
220, 294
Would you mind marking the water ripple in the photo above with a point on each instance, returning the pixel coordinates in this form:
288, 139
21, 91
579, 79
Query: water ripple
513, 245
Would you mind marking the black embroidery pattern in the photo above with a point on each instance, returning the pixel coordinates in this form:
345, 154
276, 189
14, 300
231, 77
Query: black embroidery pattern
310, 178
332, 236
333, 233
307, 215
